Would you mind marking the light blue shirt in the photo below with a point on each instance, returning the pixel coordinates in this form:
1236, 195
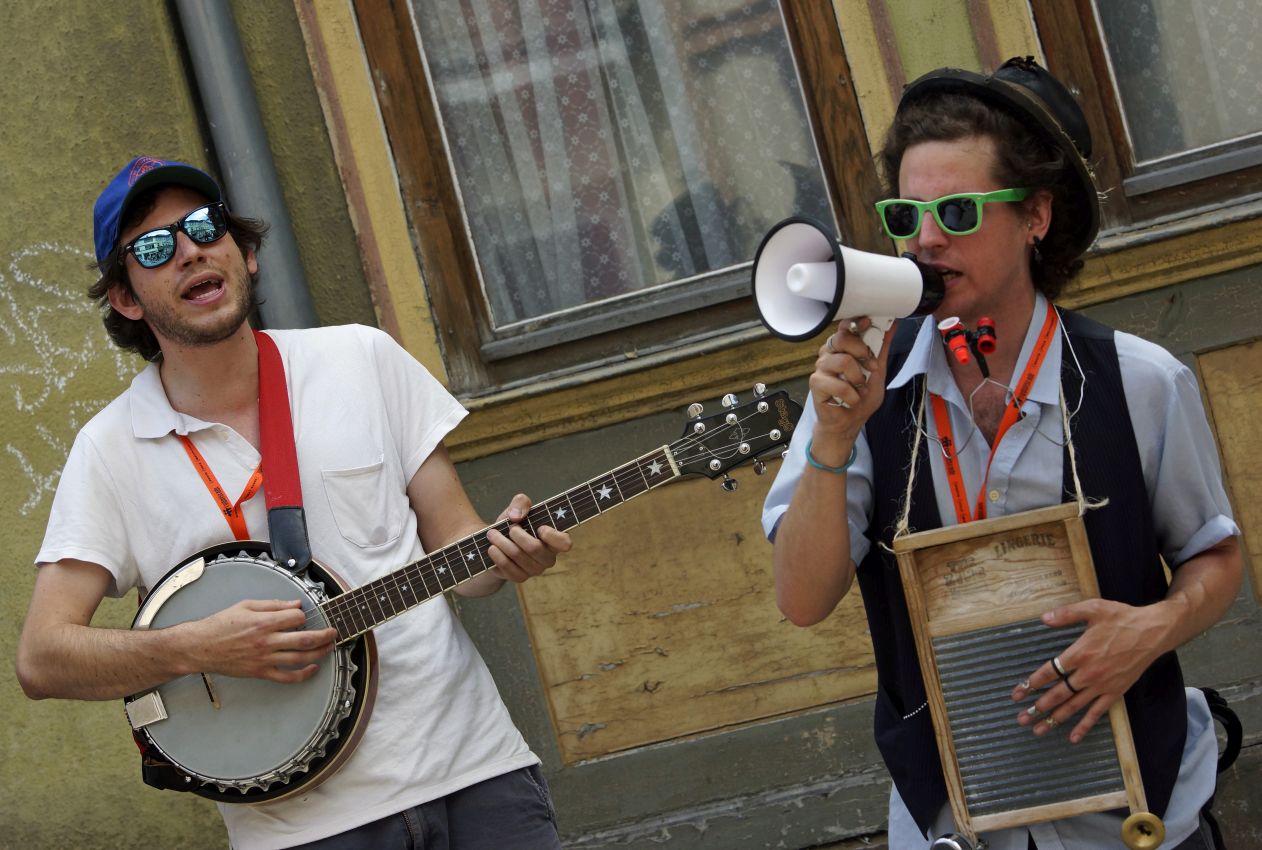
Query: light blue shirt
1182, 476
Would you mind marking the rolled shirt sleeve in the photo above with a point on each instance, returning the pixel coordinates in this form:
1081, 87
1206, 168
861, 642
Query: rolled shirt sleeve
1189, 504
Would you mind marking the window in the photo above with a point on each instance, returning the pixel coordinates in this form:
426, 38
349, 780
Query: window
1173, 91
1190, 80
588, 180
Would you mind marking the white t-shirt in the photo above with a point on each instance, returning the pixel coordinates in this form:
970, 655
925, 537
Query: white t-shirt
366, 415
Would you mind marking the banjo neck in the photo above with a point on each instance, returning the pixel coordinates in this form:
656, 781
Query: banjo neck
360, 610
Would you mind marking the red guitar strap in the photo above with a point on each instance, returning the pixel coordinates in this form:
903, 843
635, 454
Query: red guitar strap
286, 523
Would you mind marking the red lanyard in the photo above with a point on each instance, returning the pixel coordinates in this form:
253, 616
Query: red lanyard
231, 511
955, 480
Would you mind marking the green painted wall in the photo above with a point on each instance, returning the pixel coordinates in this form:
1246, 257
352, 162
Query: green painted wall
84, 86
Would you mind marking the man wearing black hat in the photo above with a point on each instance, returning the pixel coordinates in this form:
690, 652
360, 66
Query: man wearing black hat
990, 184
153, 477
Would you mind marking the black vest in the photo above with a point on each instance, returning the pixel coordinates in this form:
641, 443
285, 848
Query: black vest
1123, 546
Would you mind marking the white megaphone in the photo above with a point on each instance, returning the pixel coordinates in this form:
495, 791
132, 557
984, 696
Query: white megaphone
804, 281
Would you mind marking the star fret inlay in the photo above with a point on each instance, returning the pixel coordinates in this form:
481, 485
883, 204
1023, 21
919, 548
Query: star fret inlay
559, 513
604, 491
655, 468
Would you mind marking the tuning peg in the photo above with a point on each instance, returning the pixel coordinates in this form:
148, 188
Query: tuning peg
760, 390
730, 400
695, 409
760, 468
729, 483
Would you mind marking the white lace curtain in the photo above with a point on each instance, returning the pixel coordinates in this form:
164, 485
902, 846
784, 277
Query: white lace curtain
603, 147
1189, 71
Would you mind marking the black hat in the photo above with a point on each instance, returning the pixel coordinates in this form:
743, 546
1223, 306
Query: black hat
1026, 90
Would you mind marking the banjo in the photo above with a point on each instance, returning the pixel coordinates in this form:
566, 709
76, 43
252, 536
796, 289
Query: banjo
246, 740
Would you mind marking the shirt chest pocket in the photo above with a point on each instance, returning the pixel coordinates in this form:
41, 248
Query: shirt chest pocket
367, 503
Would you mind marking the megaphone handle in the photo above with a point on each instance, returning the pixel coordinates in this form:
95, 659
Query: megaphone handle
874, 336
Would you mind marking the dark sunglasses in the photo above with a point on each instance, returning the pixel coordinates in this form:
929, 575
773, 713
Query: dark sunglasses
203, 225
958, 215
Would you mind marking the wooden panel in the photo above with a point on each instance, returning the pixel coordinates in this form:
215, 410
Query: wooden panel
1232, 379
664, 624
1020, 565
962, 581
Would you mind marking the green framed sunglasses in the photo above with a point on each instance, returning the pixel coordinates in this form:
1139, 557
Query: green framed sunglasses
958, 215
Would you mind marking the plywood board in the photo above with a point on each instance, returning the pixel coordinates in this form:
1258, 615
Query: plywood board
1232, 380
662, 623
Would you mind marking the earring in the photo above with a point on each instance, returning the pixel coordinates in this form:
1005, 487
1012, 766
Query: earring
1038, 255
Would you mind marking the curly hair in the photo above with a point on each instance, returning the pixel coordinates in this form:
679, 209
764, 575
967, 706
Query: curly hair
135, 334
1023, 159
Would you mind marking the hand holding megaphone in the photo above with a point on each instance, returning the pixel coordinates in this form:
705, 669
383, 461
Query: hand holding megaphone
804, 281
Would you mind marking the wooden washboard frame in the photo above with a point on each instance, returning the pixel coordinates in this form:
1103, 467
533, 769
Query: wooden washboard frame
983, 583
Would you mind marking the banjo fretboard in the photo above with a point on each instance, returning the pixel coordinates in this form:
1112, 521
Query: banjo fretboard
357, 611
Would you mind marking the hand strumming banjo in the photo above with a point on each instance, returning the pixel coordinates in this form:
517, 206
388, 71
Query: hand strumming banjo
245, 740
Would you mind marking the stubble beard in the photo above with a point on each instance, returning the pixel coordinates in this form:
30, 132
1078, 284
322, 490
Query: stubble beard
167, 324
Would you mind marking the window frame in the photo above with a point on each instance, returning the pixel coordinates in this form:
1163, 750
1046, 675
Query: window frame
479, 365
1076, 52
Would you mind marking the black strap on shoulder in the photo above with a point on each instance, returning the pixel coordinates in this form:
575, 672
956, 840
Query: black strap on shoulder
1232, 728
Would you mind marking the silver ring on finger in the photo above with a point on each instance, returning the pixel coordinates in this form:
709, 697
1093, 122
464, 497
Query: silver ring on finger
828, 343
836, 402
1060, 671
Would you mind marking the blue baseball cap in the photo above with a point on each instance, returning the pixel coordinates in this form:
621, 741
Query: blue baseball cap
143, 172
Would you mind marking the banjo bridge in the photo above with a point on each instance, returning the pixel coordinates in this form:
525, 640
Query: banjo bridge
210, 691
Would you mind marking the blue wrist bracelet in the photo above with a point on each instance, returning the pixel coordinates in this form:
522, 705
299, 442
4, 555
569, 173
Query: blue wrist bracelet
836, 470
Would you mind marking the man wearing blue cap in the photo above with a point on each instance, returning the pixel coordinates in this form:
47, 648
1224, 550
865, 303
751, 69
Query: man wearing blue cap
151, 480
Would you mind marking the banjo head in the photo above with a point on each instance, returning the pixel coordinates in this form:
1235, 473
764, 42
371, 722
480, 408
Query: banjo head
244, 739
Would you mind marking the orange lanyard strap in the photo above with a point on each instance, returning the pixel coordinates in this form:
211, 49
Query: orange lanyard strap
955, 480
231, 511
942, 418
